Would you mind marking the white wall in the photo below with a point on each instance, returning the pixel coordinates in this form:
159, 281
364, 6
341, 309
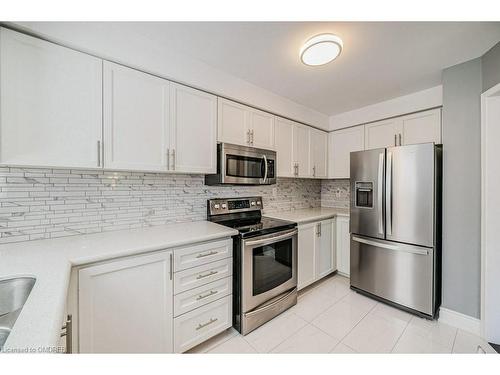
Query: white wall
417, 101
112, 42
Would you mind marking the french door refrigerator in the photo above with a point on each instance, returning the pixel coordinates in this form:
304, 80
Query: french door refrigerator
395, 224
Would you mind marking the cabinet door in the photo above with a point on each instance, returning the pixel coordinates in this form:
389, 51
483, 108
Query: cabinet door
136, 119
383, 133
284, 147
319, 156
232, 122
194, 127
262, 127
341, 144
325, 249
422, 127
126, 306
301, 151
51, 104
343, 246
306, 255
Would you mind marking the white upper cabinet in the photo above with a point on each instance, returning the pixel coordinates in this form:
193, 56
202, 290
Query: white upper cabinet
301, 150
319, 154
51, 104
243, 125
284, 147
136, 119
341, 144
232, 123
422, 127
385, 133
194, 126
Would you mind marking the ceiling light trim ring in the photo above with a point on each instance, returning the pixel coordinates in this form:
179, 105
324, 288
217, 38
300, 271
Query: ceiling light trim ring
327, 38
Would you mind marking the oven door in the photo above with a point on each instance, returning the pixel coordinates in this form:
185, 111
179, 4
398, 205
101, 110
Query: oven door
269, 267
247, 165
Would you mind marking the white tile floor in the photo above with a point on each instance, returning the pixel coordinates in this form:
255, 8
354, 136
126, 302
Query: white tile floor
331, 318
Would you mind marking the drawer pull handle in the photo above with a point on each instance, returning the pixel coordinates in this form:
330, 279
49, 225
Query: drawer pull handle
206, 275
200, 325
203, 255
211, 293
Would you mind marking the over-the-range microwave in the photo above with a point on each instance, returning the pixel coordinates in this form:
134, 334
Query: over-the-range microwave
241, 165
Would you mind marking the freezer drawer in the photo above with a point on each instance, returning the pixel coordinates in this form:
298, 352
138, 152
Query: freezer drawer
396, 272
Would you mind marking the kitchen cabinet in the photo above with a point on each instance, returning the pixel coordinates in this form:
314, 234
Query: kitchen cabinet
125, 306
319, 155
50, 104
284, 147
301, 150
194, 126
343, 247
136, 120
306, 255
151, 124
243, 125
420, 127
341, 144
316, 256
382, 134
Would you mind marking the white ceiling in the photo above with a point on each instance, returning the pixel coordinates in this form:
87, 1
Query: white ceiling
380, 60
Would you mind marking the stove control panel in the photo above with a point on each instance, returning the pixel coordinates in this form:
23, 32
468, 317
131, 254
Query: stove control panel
233, 205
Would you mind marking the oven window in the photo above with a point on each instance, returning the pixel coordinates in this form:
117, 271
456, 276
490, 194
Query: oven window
244, 166
272, 265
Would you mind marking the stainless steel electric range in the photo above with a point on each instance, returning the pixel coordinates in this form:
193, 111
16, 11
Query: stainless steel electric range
265, 261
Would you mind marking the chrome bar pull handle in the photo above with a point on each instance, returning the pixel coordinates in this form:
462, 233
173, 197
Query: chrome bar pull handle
202, 255
265, 168
98, 153
171, 266
400, 139
67, 331
173, 159
201, 276
395, 140
202, 296
168, 159
203, 325
248, 136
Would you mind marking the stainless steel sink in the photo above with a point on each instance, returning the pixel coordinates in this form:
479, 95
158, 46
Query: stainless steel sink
13, 294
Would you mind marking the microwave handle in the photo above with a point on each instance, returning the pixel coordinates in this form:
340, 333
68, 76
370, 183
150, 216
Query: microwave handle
265, 168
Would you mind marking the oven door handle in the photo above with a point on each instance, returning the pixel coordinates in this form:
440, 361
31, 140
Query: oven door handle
267, 240
272, 304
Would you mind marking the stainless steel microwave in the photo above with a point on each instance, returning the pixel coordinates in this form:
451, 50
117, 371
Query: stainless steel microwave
241, 165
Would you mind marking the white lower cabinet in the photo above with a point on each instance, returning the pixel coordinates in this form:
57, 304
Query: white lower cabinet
202, 323
141, 304
343, 242
125, 306
316, 251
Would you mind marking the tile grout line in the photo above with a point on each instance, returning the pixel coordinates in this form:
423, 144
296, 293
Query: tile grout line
454, 340
401, 335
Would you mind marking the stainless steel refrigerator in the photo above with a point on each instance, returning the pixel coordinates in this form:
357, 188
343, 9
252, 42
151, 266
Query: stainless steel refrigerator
395, 225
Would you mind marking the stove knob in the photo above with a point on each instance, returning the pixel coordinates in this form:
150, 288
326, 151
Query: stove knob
216, 206
258, 203
224, 206
252, 203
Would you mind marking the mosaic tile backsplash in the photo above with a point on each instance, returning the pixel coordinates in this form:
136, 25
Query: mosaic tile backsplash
49, 203
335, 193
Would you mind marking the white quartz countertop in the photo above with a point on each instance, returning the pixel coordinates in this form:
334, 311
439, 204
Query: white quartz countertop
306, 215
39, 325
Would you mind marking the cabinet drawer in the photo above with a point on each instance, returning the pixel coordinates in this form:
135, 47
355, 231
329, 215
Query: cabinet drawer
197, 255
199, 325
198, 297
195, 277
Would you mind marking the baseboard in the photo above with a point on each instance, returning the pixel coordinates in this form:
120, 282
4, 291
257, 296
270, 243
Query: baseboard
459, 320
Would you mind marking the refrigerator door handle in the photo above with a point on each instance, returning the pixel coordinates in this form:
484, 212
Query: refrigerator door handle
388, 195
406, 248
380, 192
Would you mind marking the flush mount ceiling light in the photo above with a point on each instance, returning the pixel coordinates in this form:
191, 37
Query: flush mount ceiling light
321, 49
